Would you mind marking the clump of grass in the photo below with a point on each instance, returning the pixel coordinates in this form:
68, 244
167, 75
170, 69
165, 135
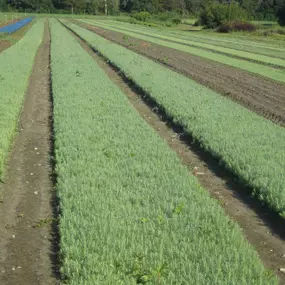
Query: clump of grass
43, 222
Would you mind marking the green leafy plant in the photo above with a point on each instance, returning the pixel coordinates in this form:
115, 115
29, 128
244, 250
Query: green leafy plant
102, 200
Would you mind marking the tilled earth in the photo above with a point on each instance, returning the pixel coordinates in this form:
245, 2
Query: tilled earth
261, 95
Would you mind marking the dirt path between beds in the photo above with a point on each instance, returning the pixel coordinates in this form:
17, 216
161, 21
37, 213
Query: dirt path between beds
261, 95
26, 213
262, 228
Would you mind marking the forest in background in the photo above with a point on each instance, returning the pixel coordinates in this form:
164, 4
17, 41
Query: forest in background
256, 9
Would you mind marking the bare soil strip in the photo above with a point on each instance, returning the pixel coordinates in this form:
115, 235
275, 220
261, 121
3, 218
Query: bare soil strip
262, 228
261, 95
26, 213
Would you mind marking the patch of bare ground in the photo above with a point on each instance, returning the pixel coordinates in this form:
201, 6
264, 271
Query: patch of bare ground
261, 95
27, 254
261, 227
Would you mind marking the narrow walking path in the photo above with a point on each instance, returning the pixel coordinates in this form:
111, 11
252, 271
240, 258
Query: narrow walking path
26, 212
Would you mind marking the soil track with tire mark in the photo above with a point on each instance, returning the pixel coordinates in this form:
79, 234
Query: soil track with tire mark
261, 95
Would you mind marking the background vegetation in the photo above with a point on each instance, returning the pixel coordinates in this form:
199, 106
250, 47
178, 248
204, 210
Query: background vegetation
255, 9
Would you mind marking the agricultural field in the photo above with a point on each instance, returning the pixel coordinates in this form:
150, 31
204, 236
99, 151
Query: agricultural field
270, 48
132, 155
251, 62
259, 94
12, 31
16, 62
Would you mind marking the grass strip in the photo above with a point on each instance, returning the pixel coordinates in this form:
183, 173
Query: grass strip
131, 212
16, 65
260, 69
249, 145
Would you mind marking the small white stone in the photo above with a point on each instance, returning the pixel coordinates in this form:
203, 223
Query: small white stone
13, 236
32, 173
19, 267
38, 153
282, 270
13, 268
36, 192
36, 148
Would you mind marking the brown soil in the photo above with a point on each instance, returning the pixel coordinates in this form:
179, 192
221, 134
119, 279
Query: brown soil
26, 212
261, 95
4, 44
2, 24
263, 229
7, 41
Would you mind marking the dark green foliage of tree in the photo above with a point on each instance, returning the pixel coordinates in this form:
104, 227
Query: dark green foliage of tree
255, 9
215, 14
281, 15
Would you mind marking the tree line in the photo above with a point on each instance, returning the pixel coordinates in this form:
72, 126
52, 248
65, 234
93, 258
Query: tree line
256, 9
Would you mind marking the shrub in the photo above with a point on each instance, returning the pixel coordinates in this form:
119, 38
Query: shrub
215, 14
236, 26
281, 15
133, 21
196, 24
141, 16
176, 20
163, 17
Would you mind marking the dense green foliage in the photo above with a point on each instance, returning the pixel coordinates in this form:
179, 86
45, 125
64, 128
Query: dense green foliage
212, 52
215, 14
16, 64
131, 213
249, 145
281, 15
257, 9
141, 16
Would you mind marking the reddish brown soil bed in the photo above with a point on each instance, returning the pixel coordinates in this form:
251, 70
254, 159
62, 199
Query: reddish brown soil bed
261, 95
